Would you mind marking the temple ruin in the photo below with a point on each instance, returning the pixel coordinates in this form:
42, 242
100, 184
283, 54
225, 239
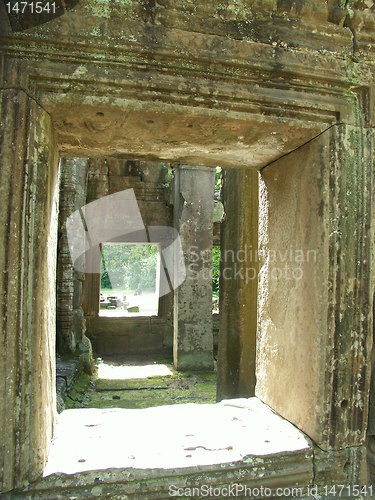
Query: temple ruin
135, 104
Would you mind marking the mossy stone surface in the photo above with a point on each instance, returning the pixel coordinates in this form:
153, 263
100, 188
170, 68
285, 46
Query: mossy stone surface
91, 392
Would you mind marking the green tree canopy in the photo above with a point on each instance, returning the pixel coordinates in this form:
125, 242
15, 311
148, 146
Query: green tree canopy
127, 266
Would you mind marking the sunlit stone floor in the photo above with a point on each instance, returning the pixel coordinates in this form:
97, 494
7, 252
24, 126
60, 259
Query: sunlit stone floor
170, 436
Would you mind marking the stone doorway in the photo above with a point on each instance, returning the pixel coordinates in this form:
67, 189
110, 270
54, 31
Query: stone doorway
90, 181
161, 84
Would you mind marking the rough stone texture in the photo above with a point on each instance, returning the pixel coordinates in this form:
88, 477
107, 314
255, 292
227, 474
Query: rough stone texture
313, 315
192, 319
371, 417
70, 319
214, 47
131, 335
86, 356
238, 285
29, 194
67, 371
69, 328
60, 394
215, 330
236, 84
346, 466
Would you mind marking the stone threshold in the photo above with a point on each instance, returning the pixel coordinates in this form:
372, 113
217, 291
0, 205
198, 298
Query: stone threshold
143, 453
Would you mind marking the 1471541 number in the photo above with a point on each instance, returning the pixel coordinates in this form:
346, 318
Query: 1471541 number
32, 7
345, 491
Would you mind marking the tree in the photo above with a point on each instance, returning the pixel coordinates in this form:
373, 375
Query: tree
105, 282
130, 265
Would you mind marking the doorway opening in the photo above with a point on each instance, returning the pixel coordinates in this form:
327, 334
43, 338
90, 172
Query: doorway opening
129, 280
127, 309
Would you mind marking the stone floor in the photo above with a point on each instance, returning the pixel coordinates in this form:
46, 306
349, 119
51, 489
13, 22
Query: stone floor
139, 412
141, 428
140, 382
169, 436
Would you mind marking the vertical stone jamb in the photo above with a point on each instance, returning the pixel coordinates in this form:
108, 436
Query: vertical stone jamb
28, 229
315, 314
350, 286
371, 419
238, 285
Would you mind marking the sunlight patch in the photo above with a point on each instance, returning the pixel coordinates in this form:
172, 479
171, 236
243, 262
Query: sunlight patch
123, 372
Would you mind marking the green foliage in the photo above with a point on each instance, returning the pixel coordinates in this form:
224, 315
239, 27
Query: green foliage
215, 270
129, 265
105, 282
169, 180
218, 179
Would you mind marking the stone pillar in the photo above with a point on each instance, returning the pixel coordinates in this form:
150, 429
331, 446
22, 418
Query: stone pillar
70, 318
28, 229
193, 212
97, 187
238, 285
70, 329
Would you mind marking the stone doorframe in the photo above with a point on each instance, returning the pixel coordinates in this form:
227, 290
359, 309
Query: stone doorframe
62, 95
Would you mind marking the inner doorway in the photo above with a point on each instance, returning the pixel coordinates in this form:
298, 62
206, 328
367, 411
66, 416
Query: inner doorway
129, 280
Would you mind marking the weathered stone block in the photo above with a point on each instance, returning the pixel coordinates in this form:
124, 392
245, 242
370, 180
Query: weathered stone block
29, 191
311, 315
193, 208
